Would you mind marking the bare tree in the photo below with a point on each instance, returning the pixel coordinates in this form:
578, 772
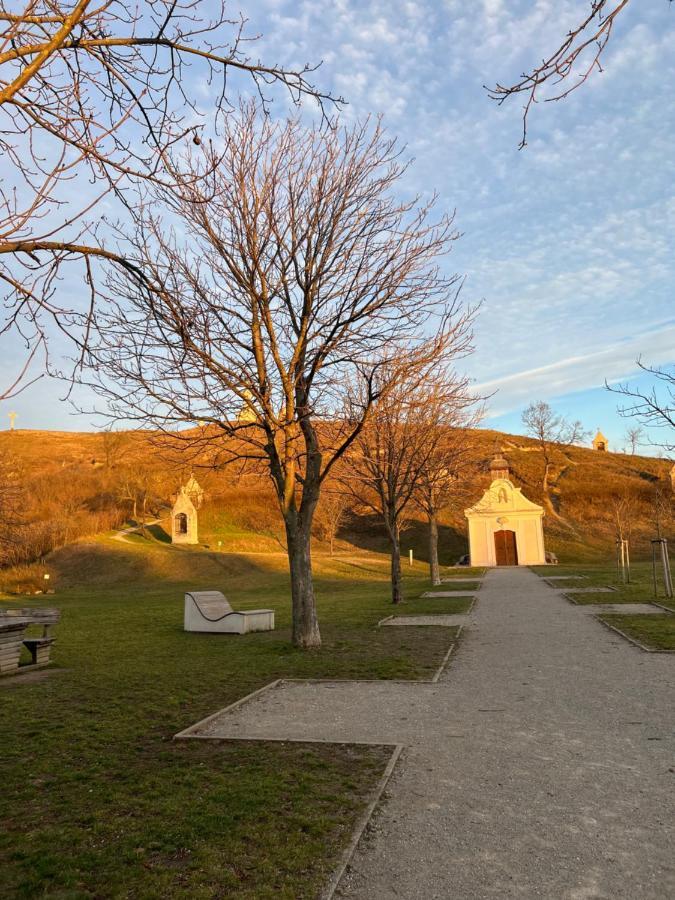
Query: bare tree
292, 267
93, 98
634, 439
144, 488
623, 512
116, 445
549, 429
446, 478
13, 519
406, 434
654, 408
662, 509
331, 513
570, 65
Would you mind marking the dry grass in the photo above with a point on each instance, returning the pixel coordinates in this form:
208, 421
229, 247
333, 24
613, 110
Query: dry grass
242, 513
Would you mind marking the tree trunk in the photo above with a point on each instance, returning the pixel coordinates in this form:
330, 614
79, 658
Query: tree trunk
306, 632
433, 550
396, 584
544, 484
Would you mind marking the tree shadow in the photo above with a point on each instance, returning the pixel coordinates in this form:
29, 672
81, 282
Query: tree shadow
367, 533
158, 533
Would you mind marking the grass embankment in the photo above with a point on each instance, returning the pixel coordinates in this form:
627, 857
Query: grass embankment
653, 630
98, 801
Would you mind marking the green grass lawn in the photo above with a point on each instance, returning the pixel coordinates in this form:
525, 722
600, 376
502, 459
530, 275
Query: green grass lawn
97, 799
654, 631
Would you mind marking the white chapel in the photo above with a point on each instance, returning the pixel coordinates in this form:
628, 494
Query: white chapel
505, 528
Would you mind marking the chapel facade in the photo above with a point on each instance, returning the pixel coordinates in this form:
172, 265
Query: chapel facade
505, 528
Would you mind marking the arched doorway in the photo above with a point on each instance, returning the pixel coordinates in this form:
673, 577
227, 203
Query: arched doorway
181, 525
506, 551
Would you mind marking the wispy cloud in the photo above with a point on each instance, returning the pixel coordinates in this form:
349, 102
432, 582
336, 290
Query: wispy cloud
569, 241
573, 373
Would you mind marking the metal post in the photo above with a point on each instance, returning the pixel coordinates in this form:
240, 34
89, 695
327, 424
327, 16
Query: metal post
410, 557
667, 579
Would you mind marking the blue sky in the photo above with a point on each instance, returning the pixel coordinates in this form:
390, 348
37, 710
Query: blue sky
569, 241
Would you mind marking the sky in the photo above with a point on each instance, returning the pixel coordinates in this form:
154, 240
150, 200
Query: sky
569, 243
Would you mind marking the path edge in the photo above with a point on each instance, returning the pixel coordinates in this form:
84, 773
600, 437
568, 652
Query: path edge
631, 640
189, 731
329, 891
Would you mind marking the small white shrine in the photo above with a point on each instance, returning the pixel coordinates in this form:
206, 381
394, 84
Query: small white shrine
184, 520
505, 528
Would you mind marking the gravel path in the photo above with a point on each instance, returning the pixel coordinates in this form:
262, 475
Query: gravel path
546, 771
540, 765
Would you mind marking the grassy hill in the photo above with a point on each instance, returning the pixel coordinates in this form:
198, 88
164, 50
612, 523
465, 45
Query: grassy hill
79, 474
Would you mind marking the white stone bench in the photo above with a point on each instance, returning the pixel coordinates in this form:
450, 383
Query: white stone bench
210, 611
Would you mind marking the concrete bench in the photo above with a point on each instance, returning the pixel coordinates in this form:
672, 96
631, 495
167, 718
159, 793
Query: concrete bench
209, 611
39, 647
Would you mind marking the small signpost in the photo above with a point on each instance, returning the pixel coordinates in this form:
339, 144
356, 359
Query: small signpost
410, 557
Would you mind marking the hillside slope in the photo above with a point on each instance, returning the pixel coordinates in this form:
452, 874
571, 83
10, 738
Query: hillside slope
240, 515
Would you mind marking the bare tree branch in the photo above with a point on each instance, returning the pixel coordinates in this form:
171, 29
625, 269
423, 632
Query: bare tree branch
654, 408
94, 97
570, 65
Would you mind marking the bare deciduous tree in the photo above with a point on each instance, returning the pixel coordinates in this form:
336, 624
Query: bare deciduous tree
549, 429
93, 97
634, 439
623, 511
283, 267
12, 508
653, 408
116, 444
570, 65
405, 436
446, 478
331, 513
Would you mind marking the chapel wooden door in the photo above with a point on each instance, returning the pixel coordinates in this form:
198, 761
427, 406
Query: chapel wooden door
506, 551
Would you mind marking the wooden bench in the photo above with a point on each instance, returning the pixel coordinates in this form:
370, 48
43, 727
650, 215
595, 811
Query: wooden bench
38, 647
209, 611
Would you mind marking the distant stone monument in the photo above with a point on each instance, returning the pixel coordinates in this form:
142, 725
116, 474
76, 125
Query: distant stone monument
184, 520
505, 528
600, 442
12, 419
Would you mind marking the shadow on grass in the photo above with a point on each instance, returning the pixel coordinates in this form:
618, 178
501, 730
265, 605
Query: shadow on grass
112, 806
